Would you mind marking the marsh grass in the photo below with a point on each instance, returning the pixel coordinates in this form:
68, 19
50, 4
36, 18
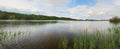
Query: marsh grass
94, 41
8, 39
10, 36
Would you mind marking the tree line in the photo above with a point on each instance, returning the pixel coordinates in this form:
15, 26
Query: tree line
17, 16
115, 19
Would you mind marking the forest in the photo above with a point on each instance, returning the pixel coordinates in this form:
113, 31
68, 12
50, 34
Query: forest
17, 16
115, 19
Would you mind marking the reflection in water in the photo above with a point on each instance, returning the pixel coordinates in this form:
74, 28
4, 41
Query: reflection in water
46, 34
46, 41
14, 23
115, 23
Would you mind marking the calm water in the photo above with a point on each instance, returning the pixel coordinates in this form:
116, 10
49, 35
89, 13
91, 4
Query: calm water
46, 34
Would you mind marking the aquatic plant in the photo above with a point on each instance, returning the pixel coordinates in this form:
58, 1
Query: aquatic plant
7, 38
96, 41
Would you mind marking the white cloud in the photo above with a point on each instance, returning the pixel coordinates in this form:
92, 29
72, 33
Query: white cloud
102, 9
117, 2
33, 4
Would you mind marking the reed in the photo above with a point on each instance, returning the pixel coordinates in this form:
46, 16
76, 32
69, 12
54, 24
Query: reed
97, 40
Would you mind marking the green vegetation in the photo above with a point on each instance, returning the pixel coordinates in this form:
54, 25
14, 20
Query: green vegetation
94, 41
98, 40
115, 19
7, 36
17, 16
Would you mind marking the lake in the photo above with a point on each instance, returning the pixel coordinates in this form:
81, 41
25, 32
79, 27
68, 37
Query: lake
45, 34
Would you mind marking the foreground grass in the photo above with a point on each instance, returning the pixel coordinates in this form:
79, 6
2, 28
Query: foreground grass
93, 41
6, 36
83, 41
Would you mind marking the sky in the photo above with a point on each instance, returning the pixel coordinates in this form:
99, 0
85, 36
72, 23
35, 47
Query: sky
78, 9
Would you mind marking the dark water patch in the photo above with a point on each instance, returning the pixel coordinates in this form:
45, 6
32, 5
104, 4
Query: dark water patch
46, 41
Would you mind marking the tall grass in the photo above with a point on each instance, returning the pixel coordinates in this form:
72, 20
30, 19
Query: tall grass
97, 40
9, 35
8, 39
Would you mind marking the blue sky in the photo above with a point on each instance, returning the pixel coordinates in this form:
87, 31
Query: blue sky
84, 2
79, 9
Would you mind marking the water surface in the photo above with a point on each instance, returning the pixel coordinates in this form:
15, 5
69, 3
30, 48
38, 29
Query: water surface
46, 34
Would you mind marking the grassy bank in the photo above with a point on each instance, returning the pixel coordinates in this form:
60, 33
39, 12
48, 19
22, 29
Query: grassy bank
93, 41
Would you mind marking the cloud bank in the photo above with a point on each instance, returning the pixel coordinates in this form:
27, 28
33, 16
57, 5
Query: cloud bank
102, 9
